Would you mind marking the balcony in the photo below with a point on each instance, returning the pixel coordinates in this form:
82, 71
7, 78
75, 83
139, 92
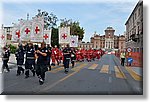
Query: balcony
135, 37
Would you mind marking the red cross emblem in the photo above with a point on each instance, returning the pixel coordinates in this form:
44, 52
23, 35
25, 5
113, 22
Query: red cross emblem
18, 33
2, 37
37, 29
27, 30
64, 36
45, 36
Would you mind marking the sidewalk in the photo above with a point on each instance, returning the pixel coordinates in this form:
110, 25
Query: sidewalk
137, 70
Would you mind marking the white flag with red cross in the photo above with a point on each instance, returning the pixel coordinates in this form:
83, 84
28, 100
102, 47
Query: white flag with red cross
73, 41
25, 30
16, 33
37, 29
64, 34
47, 36
2, 37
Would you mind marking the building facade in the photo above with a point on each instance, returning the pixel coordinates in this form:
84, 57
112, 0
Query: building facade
109, 40
134, 28
86, 45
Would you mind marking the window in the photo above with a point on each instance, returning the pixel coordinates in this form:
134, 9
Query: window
139, 11
135, 16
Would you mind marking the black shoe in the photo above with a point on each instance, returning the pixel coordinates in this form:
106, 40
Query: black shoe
66, 71
33, 73
41, 82
17, 74
22, 71
26, 77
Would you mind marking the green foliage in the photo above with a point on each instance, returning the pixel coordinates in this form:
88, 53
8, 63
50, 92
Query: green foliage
75, 28
12, 49
55, 37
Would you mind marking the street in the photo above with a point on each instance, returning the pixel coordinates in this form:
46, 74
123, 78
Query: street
104, 76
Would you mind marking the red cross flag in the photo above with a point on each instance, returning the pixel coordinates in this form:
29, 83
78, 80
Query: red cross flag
37, 29
25, 30
64, 34
47, 36
2, 37
73, 41
16, 32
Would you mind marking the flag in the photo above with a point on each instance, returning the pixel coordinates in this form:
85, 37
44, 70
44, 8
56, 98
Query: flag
37, 29
73, 41
2, 37
47, 36
64, 34
16, 32
25, 30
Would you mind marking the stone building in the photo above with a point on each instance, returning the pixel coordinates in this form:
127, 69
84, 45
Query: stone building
134, 28
108, 41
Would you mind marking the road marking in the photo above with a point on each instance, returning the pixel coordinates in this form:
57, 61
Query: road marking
104, 69
93, 66
119, 73
57, 70
78, 68
133, 74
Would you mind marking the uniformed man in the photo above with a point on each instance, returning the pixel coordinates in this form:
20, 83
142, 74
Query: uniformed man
73, 57
41, 62
122, 57
30, 60
5, 58
67, 55
20, 59
49, 56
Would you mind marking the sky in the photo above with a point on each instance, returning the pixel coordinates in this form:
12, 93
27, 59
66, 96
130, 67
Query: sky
93, 15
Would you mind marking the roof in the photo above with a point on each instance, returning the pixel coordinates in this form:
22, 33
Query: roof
138, 4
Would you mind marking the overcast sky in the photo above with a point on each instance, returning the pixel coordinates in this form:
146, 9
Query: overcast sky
93, 15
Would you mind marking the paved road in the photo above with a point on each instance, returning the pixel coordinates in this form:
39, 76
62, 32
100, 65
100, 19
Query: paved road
104, 76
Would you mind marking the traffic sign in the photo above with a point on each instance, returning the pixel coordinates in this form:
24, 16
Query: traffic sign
129, 49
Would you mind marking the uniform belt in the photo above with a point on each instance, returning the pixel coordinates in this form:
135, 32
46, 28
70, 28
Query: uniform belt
30, 58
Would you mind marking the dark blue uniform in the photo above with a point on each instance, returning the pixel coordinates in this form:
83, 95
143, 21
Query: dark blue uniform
5, 58
30, 61
73, 57
41, 65
20, 59
67, 56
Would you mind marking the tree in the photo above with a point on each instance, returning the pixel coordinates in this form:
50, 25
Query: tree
55, 37
75, 28
50, 20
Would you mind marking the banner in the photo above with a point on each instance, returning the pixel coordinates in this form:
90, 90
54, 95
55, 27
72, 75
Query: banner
37, 29
64, 34
16, 33
26, 30
73, 41
47, 36
2, 37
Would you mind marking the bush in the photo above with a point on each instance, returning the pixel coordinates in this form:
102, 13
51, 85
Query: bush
12, 49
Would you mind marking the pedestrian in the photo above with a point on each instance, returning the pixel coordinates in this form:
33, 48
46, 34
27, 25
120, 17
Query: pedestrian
30, 60
5, 58
67, 55
49, 56
122, 56
73, 57
41, 62
20, 59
